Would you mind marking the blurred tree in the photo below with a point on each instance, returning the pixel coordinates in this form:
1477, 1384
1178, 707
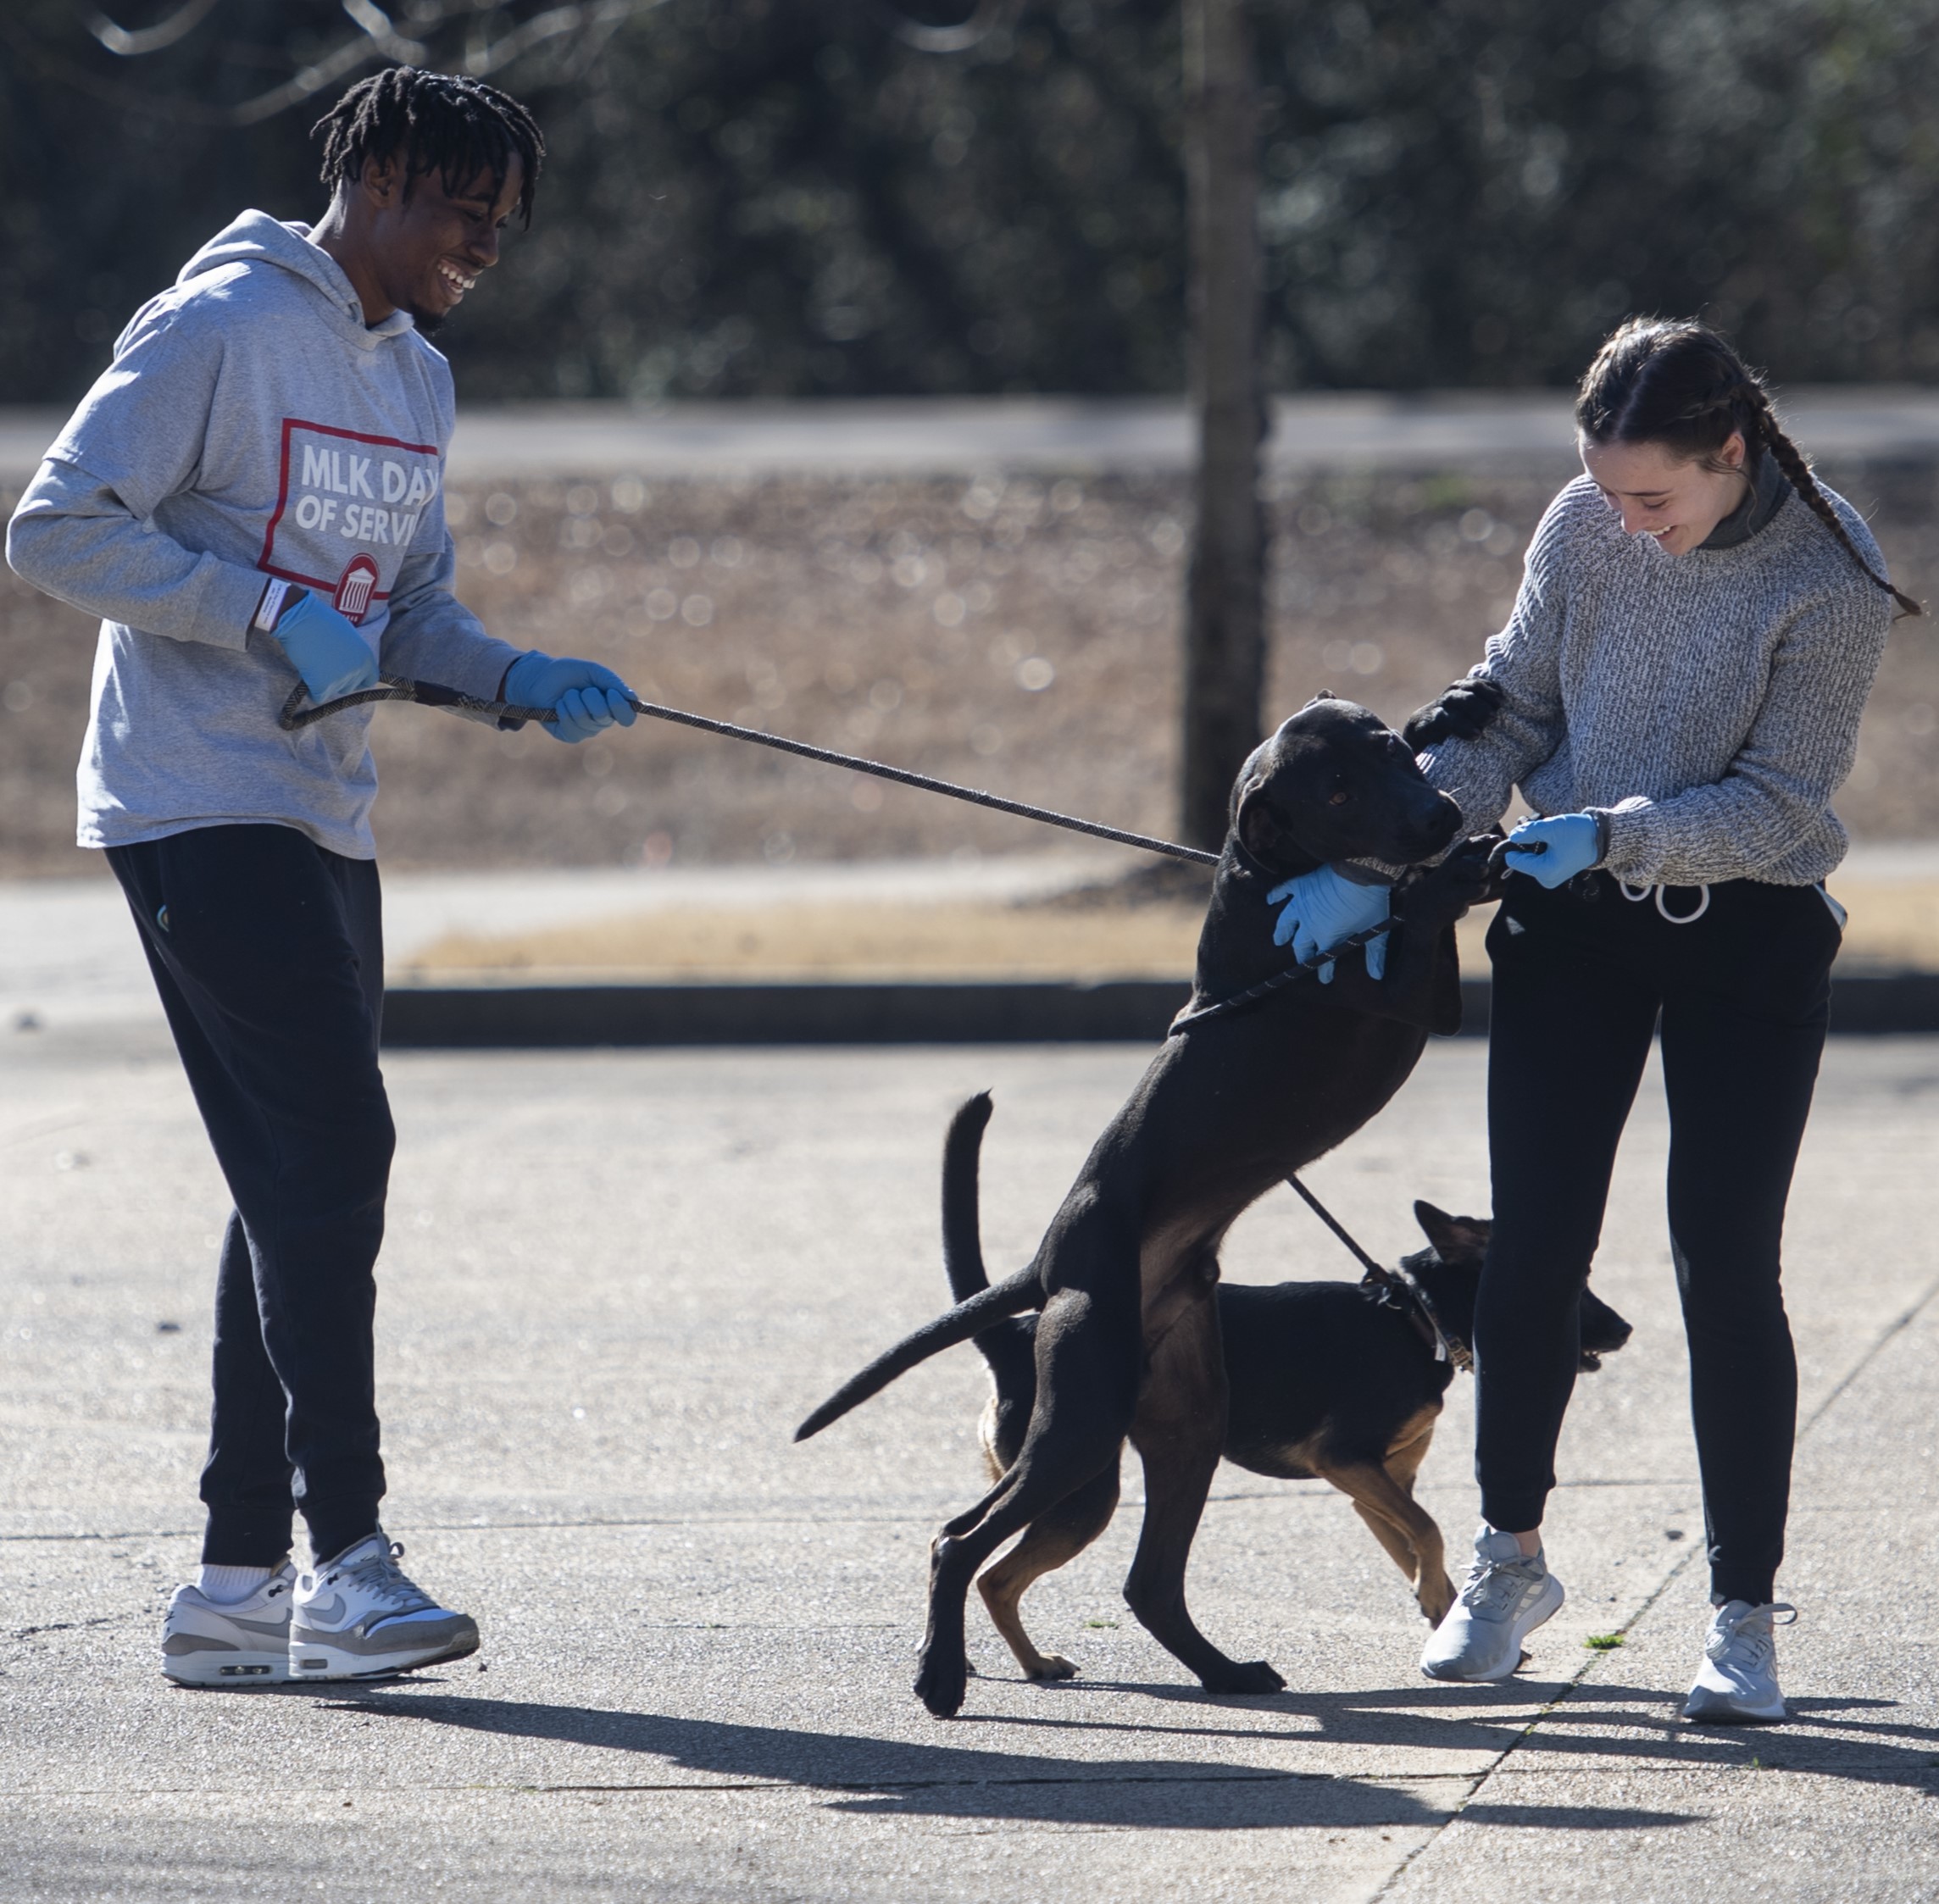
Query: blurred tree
787, 197
1225, 617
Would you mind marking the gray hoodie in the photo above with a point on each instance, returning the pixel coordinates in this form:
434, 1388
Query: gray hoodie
250, 426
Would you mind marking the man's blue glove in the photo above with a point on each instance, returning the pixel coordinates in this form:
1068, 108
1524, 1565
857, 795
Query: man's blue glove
1322, 907
1572, 844
325, 649
586, 697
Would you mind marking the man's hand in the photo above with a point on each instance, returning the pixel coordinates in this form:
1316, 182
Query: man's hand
1322, 907
325, 648
586, 697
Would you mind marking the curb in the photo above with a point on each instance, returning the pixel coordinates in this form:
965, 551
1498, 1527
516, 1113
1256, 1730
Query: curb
1133, 1011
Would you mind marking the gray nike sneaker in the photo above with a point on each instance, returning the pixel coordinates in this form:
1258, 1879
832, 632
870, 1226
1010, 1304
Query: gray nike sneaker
240, 1643
1507, 1595
358, 1617
1736, 1683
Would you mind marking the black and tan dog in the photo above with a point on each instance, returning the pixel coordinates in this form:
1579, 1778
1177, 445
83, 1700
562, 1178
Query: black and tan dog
1333, 1381
1127, 1342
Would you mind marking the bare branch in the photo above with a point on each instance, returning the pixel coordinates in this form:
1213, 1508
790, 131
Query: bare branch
131, 45
482, 59
988, 17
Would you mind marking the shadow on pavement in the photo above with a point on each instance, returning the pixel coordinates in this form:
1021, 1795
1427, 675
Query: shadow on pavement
895, 1777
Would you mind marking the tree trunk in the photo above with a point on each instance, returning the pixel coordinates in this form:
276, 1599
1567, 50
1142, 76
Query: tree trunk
1224, 642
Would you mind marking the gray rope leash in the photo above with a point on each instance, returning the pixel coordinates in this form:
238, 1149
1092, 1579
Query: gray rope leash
1277, 981
429, 694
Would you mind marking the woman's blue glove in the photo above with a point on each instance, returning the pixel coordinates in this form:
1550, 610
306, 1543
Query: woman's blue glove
586, 697
1573, 843
325, 649
1322, 907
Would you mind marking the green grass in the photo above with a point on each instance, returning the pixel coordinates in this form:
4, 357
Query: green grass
1113, 1624
1604, 1642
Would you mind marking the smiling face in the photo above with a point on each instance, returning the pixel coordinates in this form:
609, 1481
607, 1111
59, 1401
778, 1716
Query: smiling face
1676, 502
421, 250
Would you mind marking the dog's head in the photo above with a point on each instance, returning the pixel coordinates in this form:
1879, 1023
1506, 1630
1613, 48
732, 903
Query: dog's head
1336, 783
1450, 1270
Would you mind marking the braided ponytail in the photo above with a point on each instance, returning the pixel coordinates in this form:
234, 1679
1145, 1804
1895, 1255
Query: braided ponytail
1677, 383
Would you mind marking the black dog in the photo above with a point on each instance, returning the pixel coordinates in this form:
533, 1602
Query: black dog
1330, 1381
1127, 1341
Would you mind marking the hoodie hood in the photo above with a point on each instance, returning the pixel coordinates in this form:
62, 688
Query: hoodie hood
255, 239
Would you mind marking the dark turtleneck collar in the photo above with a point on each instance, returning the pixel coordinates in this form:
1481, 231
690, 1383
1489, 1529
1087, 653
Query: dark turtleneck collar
1769, 488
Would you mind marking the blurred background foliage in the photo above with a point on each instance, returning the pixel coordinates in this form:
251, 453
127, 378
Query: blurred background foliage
785, 198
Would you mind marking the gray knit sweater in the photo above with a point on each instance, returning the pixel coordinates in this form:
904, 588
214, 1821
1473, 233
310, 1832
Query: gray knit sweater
1708, 704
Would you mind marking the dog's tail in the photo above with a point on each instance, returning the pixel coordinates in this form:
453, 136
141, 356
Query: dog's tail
962, 1224
1009, 1297
981, 1312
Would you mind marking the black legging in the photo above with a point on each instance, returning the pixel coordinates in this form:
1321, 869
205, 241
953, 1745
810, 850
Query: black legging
1581, 976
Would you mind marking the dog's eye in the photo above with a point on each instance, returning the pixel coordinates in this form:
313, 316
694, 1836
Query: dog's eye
1338, 797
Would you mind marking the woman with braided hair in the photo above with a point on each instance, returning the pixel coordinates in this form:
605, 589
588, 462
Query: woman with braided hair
1677, 695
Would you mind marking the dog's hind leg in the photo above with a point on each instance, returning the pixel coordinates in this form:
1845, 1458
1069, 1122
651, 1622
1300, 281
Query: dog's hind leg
1179, 1433
1087, 1360
1049, 1541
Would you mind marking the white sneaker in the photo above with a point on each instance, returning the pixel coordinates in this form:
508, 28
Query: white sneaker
358, 1617
238, 1643
1736, 1683
1507, 1595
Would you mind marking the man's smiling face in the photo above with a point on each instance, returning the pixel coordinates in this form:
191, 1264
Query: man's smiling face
428, 244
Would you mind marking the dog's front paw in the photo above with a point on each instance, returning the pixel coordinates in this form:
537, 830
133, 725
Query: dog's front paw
939, 1685
1250, 1675
1052, 1666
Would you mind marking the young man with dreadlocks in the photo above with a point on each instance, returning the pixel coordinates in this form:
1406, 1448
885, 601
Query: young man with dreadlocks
251, 493
1677, 694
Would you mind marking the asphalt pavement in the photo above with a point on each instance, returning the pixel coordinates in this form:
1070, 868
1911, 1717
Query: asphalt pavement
613, 1284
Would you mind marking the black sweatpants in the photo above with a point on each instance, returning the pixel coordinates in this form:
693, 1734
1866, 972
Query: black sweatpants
268, 952
1582, 978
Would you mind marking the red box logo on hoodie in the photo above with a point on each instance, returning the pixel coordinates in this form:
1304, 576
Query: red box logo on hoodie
348, 506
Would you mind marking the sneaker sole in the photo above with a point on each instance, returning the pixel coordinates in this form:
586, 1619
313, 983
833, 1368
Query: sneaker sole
1510, 1662
314, 1662
237, 1671
1717, 1709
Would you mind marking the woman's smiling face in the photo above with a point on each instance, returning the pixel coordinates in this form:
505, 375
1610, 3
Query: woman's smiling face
1678, 503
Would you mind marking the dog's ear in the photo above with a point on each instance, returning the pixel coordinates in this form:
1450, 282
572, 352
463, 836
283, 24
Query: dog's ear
1458, 1239
1258, 828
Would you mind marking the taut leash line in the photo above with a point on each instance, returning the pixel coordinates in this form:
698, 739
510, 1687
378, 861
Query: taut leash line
1400, 1285
429, 694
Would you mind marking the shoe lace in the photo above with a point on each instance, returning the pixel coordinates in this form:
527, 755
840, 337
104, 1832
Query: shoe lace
379, 1575
1493, 1586
1748, 1638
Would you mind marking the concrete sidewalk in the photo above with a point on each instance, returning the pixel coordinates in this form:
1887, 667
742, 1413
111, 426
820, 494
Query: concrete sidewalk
614, 1283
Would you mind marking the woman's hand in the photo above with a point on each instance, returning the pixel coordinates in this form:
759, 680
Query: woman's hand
1552, 851
1321, 908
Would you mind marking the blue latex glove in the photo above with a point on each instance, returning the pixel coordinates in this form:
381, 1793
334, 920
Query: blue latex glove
1322, 907
325, 649
587, 698
1573, 843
